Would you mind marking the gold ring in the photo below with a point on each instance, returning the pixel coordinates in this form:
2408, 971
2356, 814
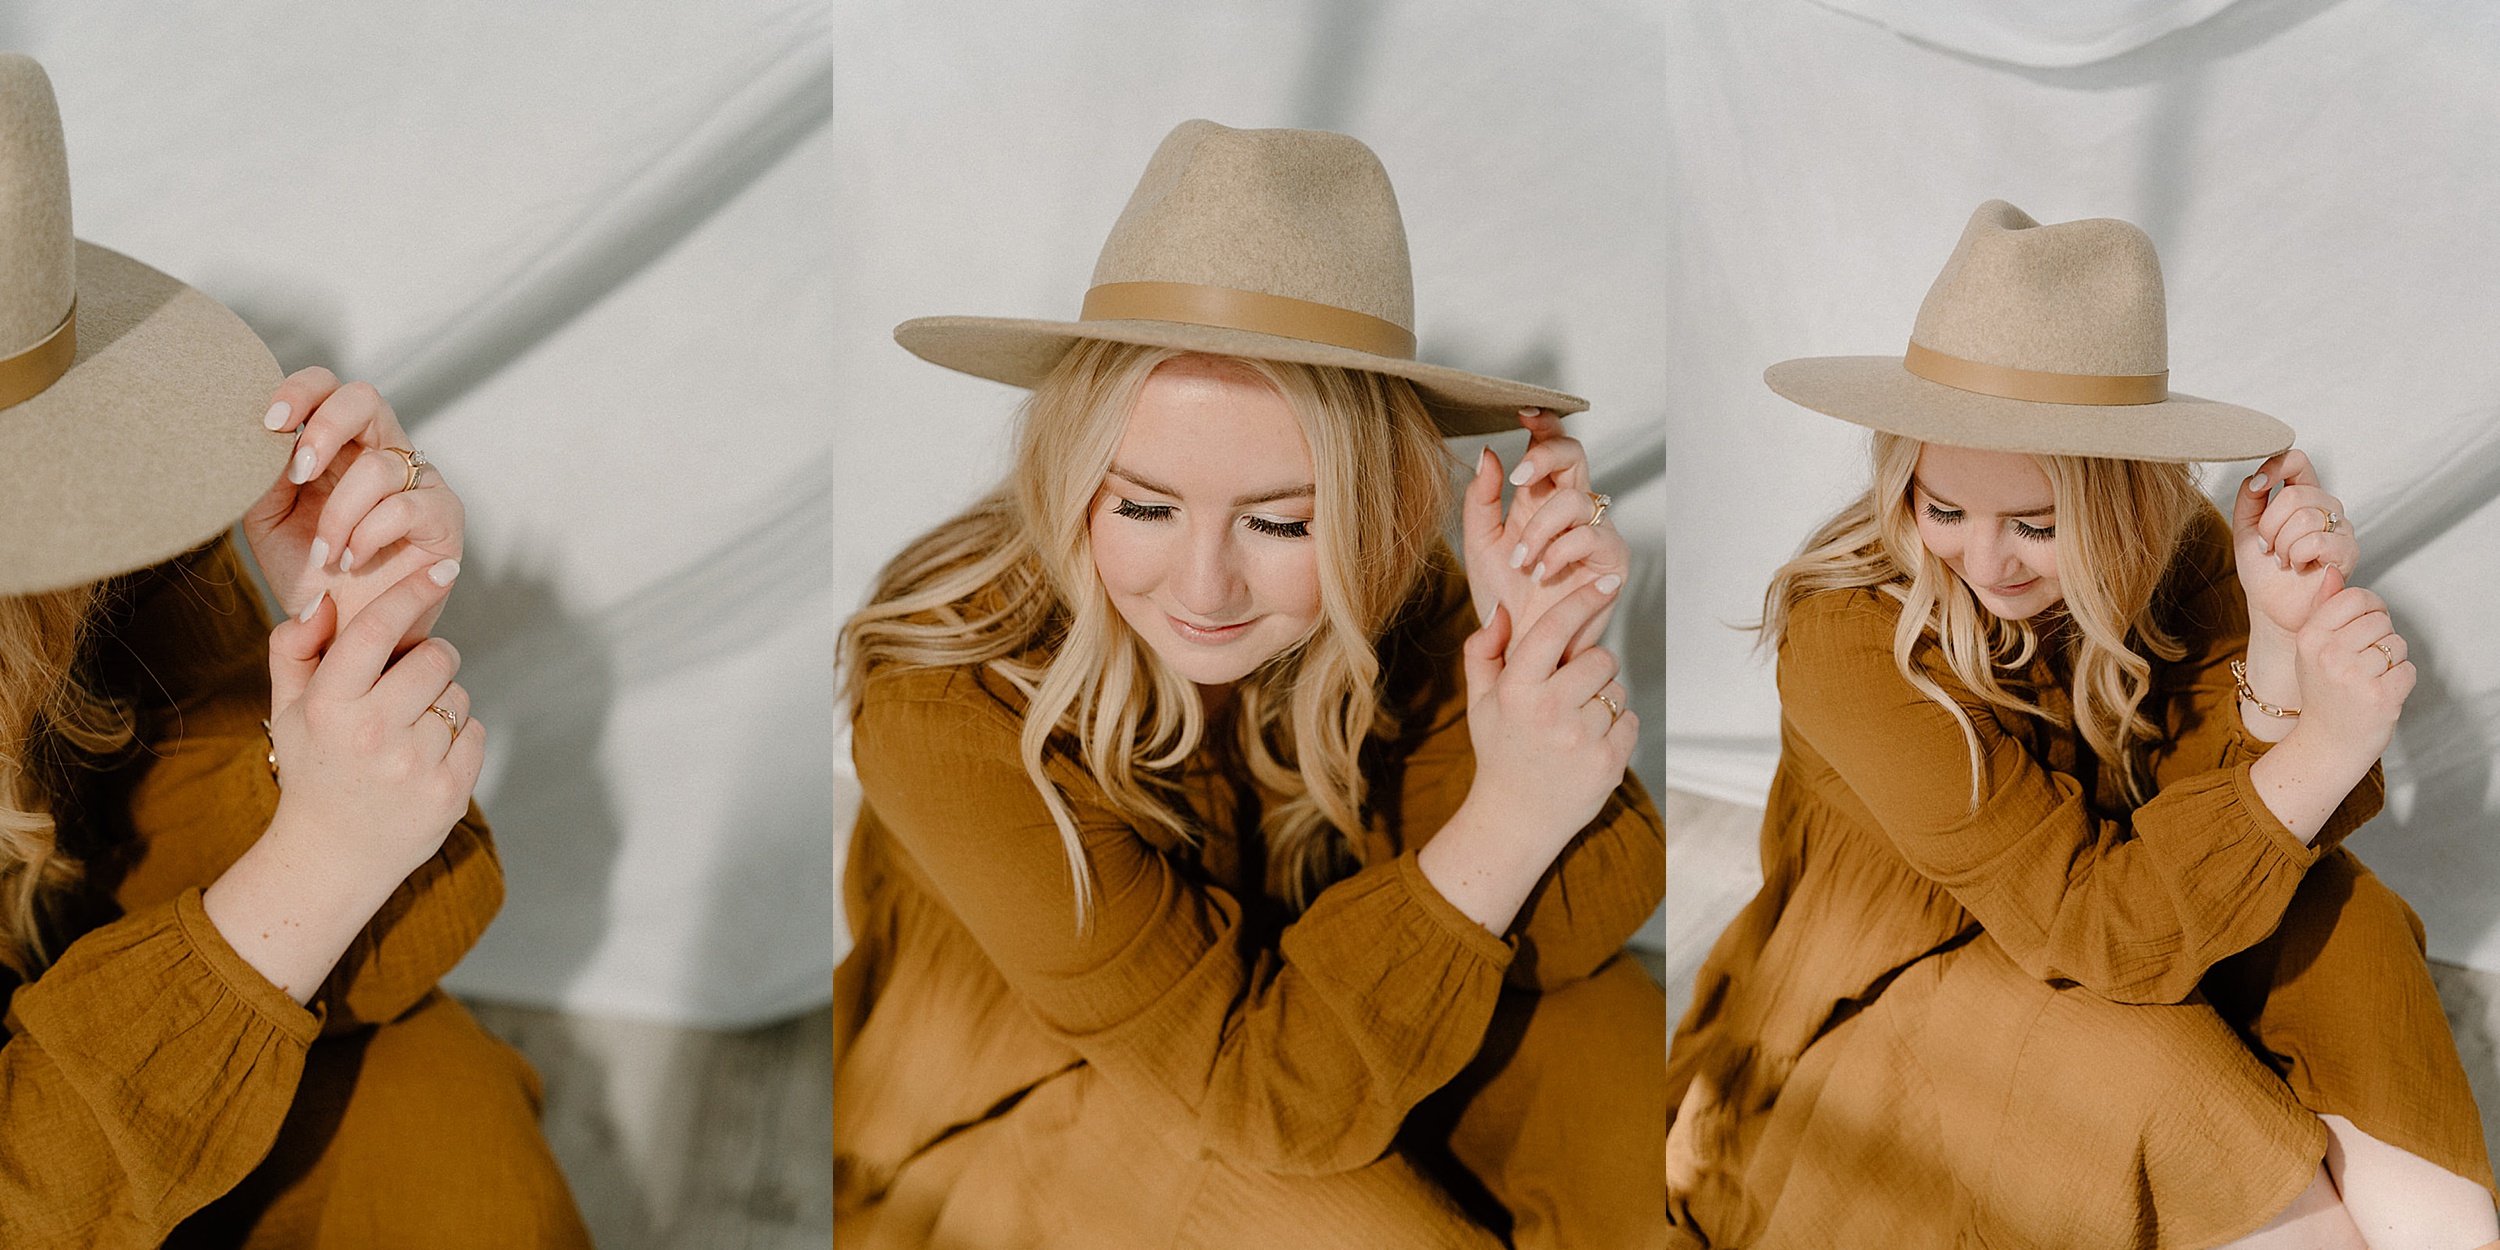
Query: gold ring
1597, 508
416, 465
2383, 650
1614, 710
448, 717
2333, 519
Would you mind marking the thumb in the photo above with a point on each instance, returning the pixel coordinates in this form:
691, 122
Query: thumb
2330, 584
1484, 654
295, 650
1480, 510
2246, 507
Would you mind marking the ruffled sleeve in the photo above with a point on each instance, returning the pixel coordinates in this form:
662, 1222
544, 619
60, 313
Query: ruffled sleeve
2134, 910
147, 1072
1300, 1059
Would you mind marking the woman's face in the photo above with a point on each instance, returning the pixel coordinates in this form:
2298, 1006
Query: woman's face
1201, 529
1991, 516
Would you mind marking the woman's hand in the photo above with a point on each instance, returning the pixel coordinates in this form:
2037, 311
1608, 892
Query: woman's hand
2289, 559
1551, 743
2355, 675
340, 523
371, 780
1545, 548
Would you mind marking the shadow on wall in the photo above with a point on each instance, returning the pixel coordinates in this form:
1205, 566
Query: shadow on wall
2444, 751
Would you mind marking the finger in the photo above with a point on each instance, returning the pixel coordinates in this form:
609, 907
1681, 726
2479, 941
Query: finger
2362, 630
2344, 606
1481, 507
454, 699
1541, 648
295, 649
2295, 510
1551, 456
2319, 549
1584, 677
1483, 653
467, 757
2250, 503
1567, 508
354, 413
430, 517
2394, 649
417, 680
355, 662
446, 716
1595, 630
296, 397
371, 476
1592, 550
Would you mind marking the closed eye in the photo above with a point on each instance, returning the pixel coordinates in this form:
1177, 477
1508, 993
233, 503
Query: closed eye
1278, 529
2034, 533
1943, 516
1136, 511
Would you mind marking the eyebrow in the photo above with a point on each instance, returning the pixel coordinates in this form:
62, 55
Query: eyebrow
1304, 491
2043, 510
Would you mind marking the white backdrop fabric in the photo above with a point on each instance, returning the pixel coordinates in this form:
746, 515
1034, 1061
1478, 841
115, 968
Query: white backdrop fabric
583, 251
2321, 177
985, 150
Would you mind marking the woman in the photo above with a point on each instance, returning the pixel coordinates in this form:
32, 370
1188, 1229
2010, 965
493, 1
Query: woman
1199, 897
224, 905
2056, 944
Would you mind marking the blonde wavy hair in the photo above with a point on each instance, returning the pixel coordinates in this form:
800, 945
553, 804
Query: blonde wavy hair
2120, 525
1010, 585
49, 719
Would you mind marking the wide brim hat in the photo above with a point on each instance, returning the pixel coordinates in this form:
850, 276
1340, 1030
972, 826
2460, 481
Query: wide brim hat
2047, 340
1274, 244
130, 403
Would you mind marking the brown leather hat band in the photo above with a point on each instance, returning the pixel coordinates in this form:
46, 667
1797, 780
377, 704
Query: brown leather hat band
1193, 304
2034, 386
26, 374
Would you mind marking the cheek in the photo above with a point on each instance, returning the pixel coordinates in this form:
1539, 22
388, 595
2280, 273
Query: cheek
1286, 580
1124, 556
1940, 540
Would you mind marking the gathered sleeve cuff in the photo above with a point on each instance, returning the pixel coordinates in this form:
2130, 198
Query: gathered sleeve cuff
147, 1073
425, 927
1300, 1059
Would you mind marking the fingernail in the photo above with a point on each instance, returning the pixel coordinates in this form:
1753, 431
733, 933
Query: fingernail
320, 553
313, 606
1520, 475
1530, 412
1606, 585
2264, 546
1538, 573
442, 573
1486, 454
301, 471
276, 417
347, 559
2257, 484
1519, 555
455, 651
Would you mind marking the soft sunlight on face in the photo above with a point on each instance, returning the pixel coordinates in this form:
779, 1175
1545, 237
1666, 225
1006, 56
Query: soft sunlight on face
1201, 530
1991, 516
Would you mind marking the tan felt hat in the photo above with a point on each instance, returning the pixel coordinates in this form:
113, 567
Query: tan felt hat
1276, 244
2050, 340
130, 403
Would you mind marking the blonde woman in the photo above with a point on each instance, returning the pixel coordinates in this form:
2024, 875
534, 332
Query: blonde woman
233, 860
2057, 945
1218, 881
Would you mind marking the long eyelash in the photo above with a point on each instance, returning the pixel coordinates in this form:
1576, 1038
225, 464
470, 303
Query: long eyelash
1941, 516
1278, 529
1141, 511
2034, 533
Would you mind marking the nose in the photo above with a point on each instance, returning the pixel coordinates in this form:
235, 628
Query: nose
1207, 580
1990, 557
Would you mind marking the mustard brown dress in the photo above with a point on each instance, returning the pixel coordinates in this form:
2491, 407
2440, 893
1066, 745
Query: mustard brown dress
2047, 1021
1204, 1068
155, 1089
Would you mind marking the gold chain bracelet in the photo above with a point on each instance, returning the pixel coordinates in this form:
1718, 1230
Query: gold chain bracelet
2239, 673
272, 739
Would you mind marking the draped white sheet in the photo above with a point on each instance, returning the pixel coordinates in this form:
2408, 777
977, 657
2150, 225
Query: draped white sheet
583, 251
986, 148
2321, 178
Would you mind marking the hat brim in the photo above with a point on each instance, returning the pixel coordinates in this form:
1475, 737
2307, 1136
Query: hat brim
1022, 353
148, 446
1876, 391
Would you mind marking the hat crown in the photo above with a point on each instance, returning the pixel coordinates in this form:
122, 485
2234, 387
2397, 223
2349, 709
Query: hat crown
38, 255
1304, 214
2078, 297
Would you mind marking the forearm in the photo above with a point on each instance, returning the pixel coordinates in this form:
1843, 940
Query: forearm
291, 910
2303, 780
1486, 862
2273, 677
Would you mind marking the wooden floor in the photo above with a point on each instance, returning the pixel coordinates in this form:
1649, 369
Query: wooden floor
687, 1139
1712, 867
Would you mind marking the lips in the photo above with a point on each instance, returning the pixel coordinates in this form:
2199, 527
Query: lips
1209, 635
2008, 592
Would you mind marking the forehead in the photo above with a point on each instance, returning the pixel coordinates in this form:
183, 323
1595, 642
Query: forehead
1214, 426
1984, 481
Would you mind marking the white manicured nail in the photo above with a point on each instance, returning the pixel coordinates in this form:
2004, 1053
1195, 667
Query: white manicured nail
277, 415
2264, 546
320, 553
313, 606
300, 472
1606, 585
1519, 555
1520, 475
1537, 574
442, 573
2257, 484
347, 559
